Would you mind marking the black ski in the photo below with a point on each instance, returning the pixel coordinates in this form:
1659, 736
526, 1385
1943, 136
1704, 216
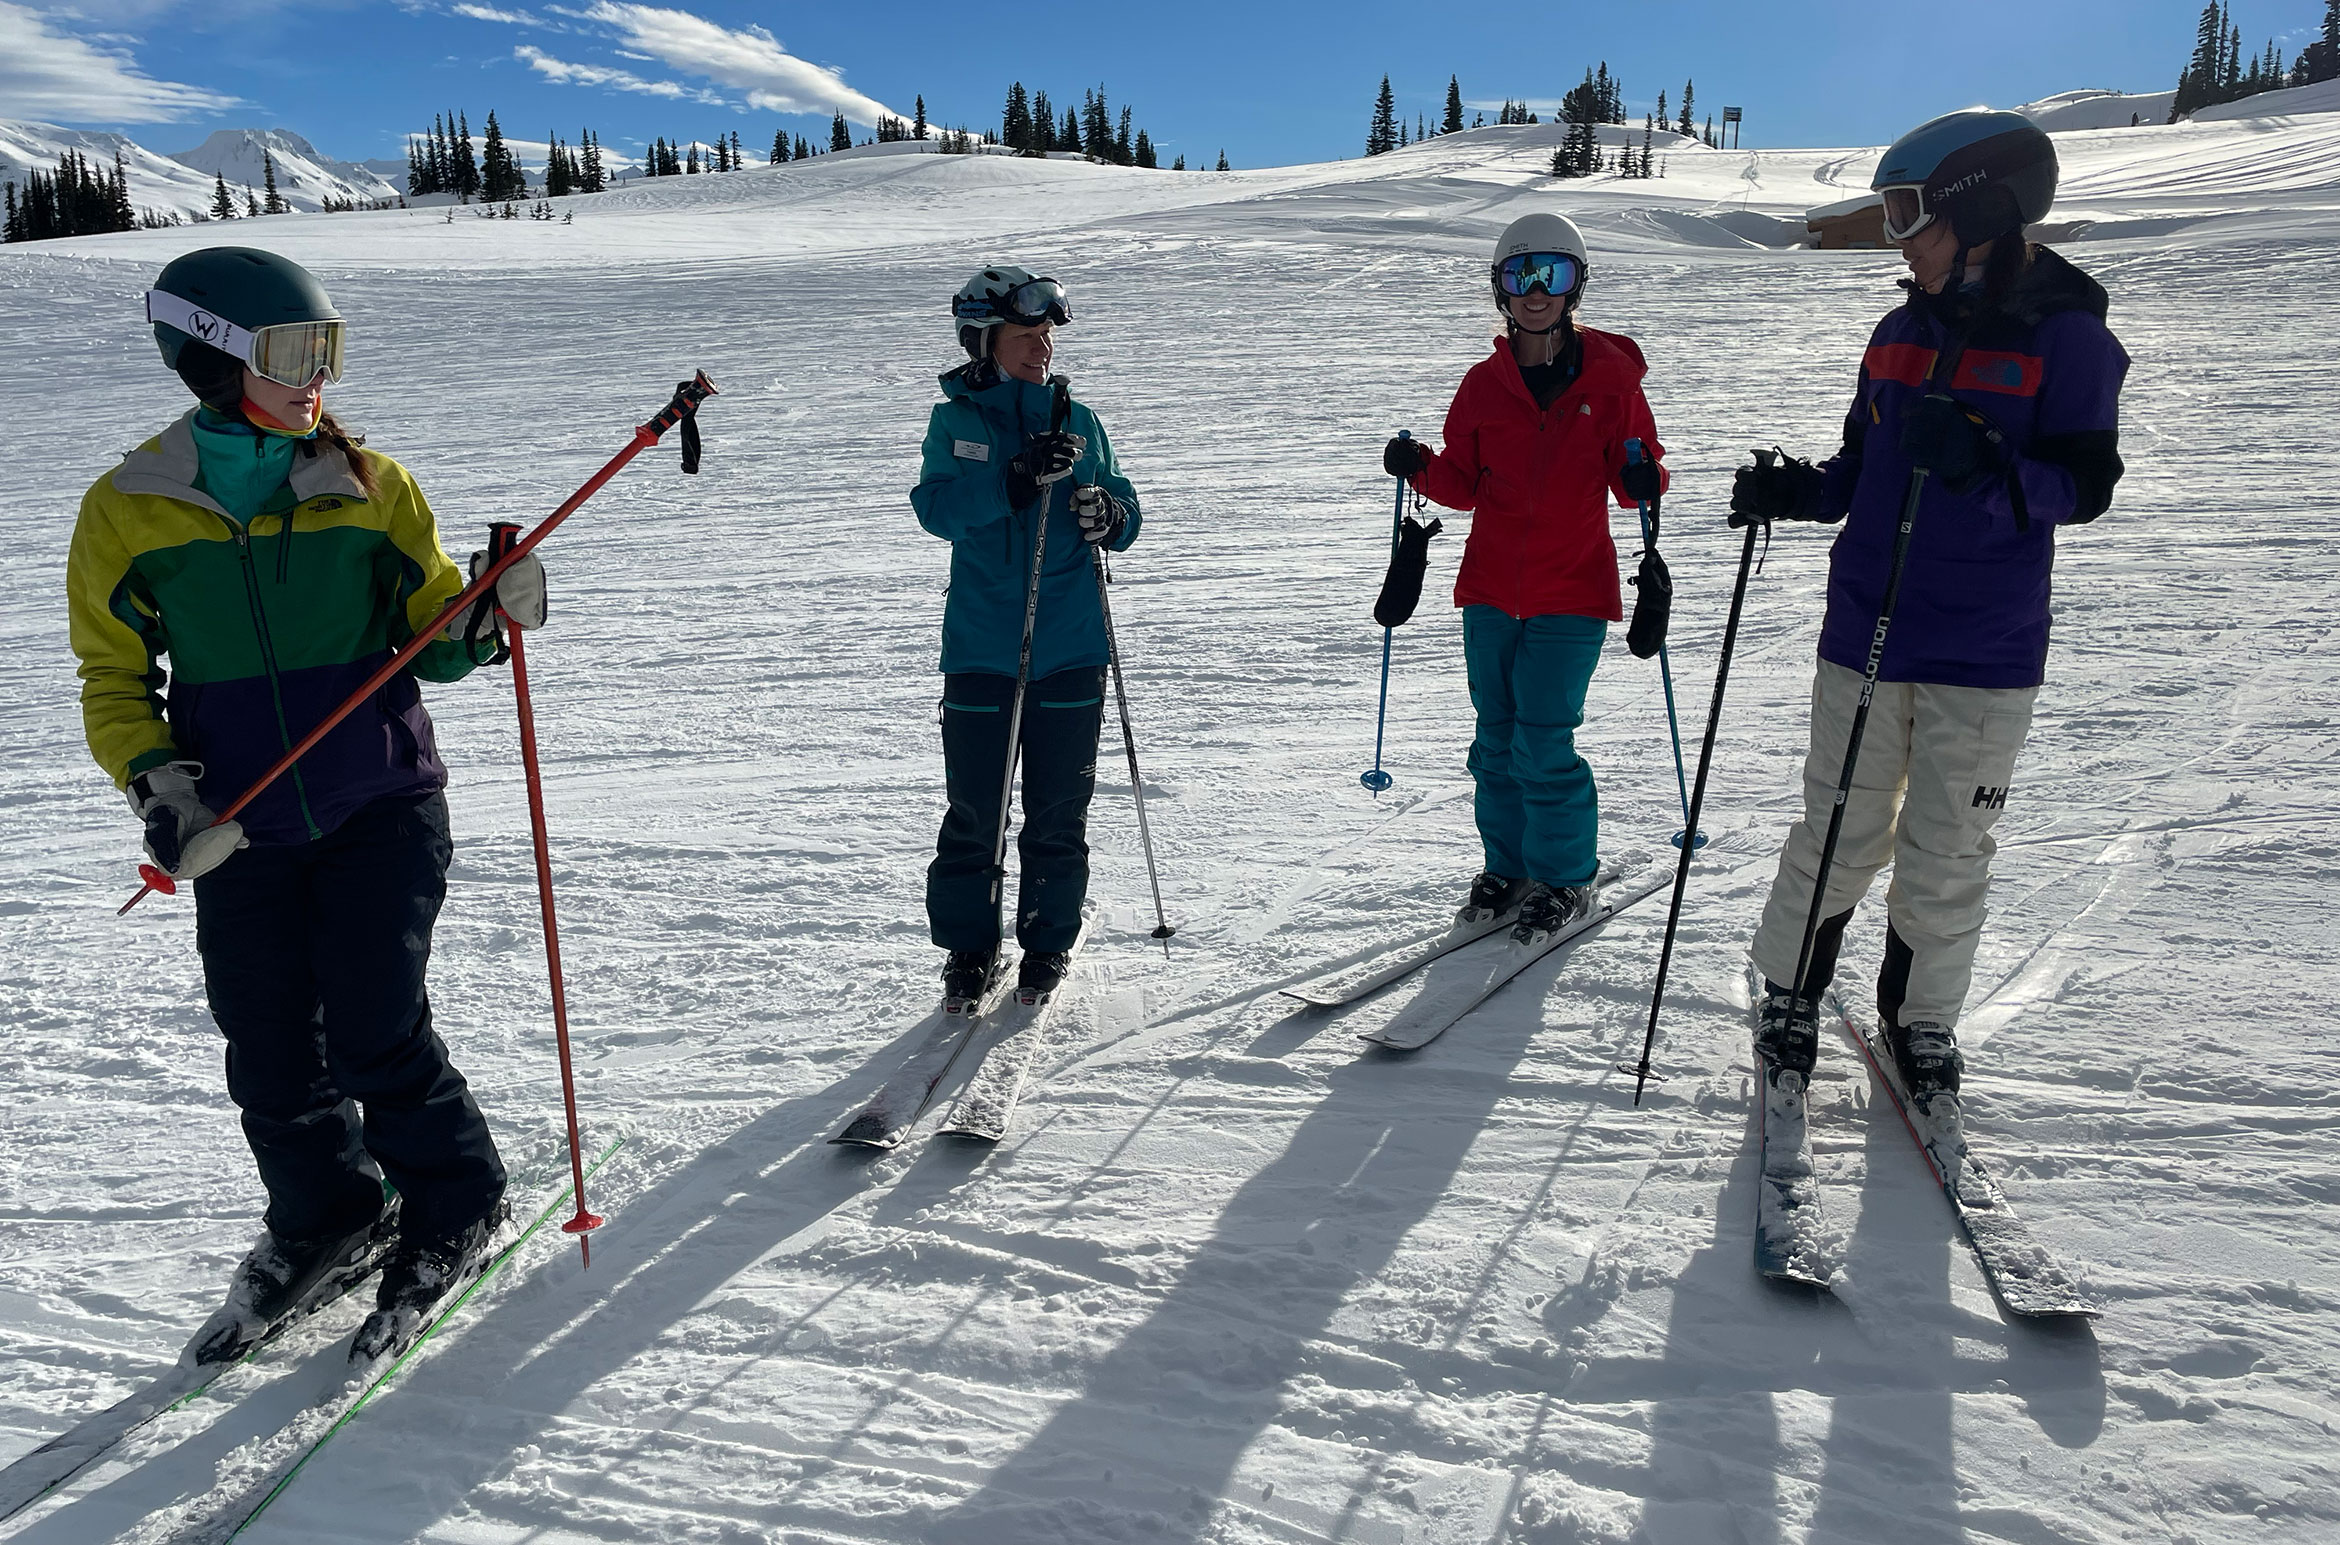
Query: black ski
896, 1107
2027, 1278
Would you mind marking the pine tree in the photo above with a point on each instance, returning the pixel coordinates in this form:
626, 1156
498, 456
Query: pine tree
1124, 148
1015, 121
1223, 161
274, 203
467, 178
251, 203
691, 166
223, 204
1403, 141
1068, 133
738, 163
1382, 137
1453, 122
780, 150
1649, 143
1142, 154
1043, 125
1684, 125
1583, 107
840, 137
2198, 82
499, 175
556, 168
918, 118
803, 149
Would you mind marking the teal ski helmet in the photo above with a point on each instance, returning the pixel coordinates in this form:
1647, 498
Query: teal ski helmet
222, 308
1989, 173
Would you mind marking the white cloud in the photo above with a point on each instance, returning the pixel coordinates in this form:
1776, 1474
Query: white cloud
490, 13
750, 60
563, 72
50, 75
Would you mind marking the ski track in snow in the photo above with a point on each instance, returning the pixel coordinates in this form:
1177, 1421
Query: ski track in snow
1231, 1279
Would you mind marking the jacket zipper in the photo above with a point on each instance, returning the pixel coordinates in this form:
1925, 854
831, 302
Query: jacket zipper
268, 663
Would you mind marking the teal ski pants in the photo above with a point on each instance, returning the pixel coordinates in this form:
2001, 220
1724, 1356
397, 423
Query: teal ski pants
1539, 816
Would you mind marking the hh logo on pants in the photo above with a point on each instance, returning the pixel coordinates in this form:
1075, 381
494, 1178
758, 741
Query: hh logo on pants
1986, 798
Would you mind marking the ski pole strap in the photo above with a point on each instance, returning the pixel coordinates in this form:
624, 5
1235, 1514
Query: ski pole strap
501, 535
683, 408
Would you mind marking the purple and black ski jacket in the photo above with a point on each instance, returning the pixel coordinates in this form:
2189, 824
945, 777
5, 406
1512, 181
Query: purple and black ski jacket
2044, 370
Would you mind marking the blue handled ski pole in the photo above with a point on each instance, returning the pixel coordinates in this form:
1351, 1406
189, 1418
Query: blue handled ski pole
1633, 456
1377, 780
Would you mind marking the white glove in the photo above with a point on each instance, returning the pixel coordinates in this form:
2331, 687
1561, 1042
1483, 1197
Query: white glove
182, 836
519, 591
1098, 513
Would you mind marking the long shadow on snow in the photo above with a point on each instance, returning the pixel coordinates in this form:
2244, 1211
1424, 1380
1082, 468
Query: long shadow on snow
662, 1254
1151, 1442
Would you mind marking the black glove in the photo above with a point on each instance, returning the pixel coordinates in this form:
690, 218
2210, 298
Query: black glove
1404, 456
1401, 589
1642, 481
1098, 514
1777, 487
1653, 606
1957, 445
1045, 458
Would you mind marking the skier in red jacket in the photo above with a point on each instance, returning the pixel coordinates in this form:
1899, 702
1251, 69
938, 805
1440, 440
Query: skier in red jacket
1535, 445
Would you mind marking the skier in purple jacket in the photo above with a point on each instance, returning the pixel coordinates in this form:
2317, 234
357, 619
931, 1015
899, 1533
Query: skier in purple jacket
1999, 377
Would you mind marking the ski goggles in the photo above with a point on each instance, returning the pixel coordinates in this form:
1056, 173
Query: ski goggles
1906, 213
1558, 272
1027, 305
289, 353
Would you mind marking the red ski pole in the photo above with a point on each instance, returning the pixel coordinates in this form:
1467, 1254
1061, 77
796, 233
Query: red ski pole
683, 405
500, 541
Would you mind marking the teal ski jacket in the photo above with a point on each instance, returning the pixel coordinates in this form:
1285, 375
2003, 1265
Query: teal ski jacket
962, 497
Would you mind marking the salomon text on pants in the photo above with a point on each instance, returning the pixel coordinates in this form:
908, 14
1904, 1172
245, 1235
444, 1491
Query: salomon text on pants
1935, 770
313, 959
1539, 817
1062, 715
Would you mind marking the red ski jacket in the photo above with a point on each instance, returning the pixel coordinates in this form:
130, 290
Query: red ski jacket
1540, 478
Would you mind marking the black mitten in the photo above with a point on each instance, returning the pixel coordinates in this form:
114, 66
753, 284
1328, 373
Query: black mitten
1401, 590
1653, 605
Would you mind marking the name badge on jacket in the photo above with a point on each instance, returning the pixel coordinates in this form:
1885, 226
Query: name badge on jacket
971, 450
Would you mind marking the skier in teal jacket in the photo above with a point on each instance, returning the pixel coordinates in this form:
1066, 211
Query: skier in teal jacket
989, 464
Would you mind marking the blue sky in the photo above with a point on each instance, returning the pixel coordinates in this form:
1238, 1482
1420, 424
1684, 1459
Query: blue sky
1267, 83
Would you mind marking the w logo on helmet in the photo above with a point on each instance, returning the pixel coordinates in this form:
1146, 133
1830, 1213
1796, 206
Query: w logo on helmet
203, 325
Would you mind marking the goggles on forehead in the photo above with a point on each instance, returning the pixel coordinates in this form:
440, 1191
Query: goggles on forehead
1906, 213
1558, 272
1027, 305
289, 353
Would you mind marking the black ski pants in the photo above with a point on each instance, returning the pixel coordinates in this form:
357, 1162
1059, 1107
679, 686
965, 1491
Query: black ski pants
313, 959
1062, 715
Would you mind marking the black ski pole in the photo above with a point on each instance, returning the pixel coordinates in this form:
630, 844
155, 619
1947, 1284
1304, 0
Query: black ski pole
1060, 407
1722, 676
1137, 784
1945, 368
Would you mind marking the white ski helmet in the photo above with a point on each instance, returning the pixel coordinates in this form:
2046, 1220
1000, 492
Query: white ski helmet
1005, 293
1539, 233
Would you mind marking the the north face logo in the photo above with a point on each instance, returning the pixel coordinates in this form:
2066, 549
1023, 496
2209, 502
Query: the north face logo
1986, 798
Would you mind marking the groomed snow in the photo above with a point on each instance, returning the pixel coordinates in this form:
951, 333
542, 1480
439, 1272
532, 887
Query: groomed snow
1230, 1279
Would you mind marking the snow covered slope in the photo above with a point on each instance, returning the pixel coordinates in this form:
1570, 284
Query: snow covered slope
157, 182
1229, 1280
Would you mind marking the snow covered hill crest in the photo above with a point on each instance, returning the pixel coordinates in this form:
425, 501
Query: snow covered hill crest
183, 183
304, 175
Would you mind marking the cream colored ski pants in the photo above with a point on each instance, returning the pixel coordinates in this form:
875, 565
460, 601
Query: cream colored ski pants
1936, 767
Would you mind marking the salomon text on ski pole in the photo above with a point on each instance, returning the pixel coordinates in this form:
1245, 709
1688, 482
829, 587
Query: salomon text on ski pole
681, 408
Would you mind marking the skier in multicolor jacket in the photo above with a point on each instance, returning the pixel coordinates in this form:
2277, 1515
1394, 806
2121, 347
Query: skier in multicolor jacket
1536, 447
275, 563
1998, 376
990, 458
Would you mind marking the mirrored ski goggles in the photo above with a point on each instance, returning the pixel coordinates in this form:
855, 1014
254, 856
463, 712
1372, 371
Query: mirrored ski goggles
1027, 305
1558, 272
289, 353
1905, 211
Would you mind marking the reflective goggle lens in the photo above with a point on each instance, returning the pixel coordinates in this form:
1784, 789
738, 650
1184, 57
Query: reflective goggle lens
1557, 272
1905, 212
292, 353
1040, 300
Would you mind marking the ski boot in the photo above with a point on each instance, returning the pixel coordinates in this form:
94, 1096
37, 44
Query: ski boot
284, 1279
1787, 1035
1491, 897
967, 976
1926, 1055
417, 1276
1039, 973
1547, 909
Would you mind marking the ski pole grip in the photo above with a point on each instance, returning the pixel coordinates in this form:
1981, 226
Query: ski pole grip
1633, 452
682, 405
1059, 402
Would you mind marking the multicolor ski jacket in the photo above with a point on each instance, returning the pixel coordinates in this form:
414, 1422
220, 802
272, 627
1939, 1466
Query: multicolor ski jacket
962, 497
2046, 373
1540, 480
268, 623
